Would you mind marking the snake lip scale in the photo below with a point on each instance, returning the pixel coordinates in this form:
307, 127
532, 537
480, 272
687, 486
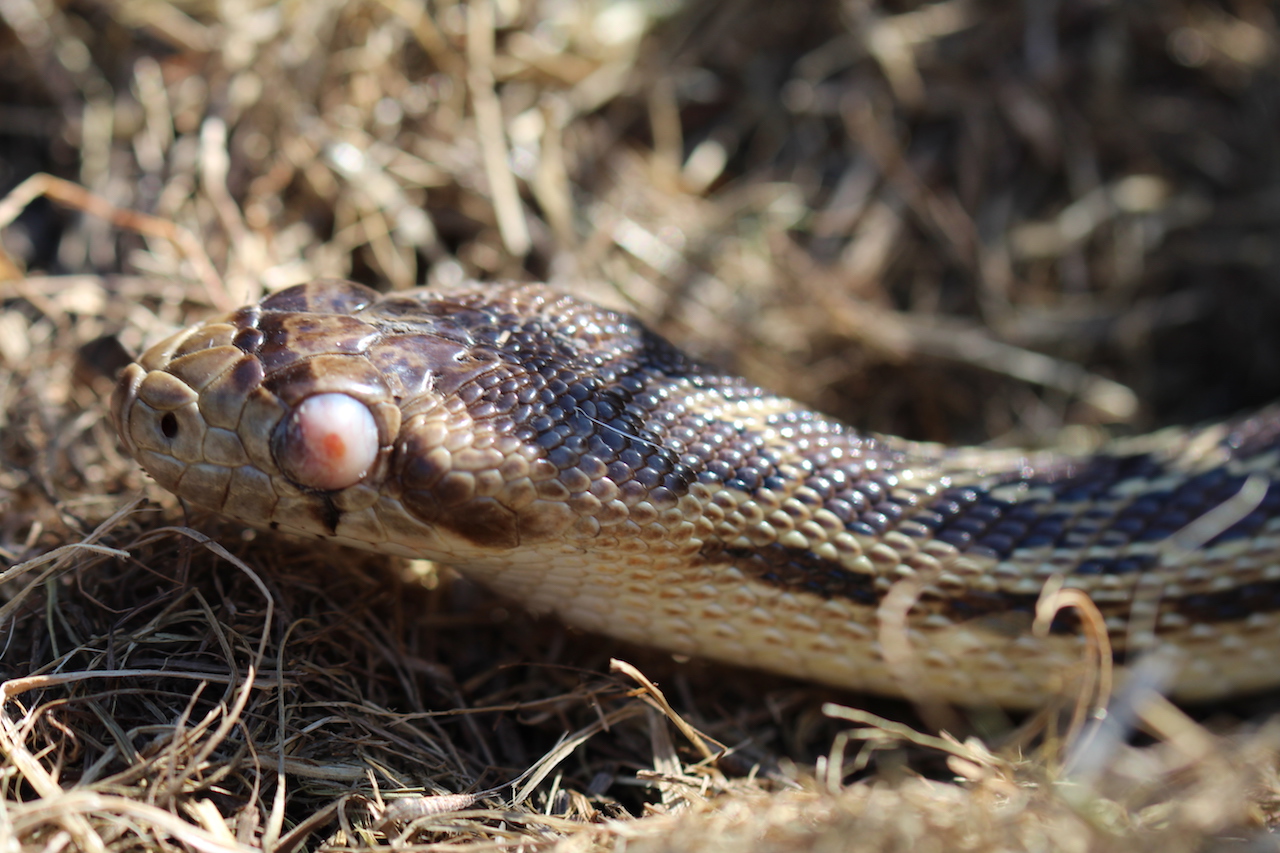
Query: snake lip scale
578, 463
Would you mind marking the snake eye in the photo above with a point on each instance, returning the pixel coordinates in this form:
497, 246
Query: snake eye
169, 425
328, 442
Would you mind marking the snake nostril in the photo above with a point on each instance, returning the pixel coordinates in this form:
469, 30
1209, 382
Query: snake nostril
169, 425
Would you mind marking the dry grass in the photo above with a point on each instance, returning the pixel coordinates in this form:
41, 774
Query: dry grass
960, 221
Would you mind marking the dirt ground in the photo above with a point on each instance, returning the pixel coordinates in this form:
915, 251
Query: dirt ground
1041, 223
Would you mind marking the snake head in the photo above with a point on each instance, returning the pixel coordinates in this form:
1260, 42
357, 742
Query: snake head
270, 414
466, 422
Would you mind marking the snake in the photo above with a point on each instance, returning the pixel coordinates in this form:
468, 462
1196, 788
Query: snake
579, 464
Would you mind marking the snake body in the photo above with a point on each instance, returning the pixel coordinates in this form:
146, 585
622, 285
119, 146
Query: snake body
578, 463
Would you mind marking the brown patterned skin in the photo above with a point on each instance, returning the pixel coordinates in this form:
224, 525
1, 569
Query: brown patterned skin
577, 463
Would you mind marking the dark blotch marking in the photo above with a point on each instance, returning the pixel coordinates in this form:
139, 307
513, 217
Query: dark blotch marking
329, 512
977, 523
1228, 605
247, 340
422, 504
798, 571
343, 374
228, 392
1219, 607
484, 522
322, 296
802, 572
247, 316
417, 471
412, 363
1126, 565
974, 604
245, 376
454, 371
290, 338
539, 527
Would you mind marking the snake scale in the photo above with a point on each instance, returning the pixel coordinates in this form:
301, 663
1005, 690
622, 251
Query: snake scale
578, 463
